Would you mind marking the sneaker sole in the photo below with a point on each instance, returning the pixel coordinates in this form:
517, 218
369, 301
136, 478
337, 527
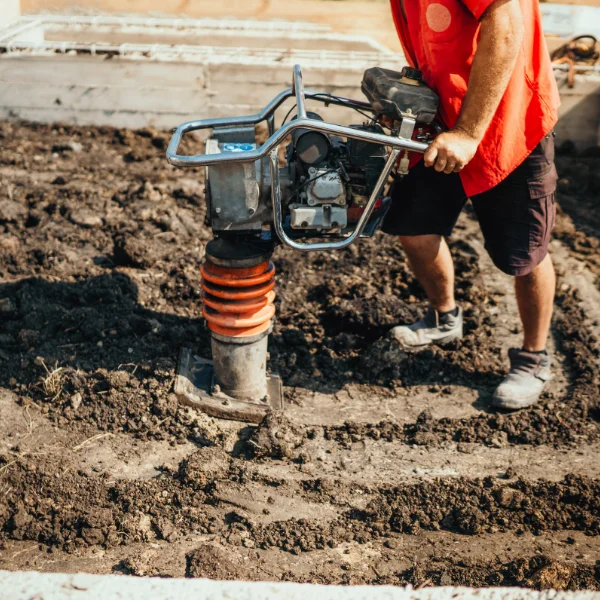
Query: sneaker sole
514, 404
519, 404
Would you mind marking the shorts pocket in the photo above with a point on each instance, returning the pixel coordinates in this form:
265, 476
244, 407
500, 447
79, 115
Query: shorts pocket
542, 185
541, 207
541, 216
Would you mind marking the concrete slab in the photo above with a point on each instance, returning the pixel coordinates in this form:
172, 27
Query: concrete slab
25, 586
104, 70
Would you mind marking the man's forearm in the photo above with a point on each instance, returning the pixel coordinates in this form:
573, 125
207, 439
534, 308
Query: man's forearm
500, 39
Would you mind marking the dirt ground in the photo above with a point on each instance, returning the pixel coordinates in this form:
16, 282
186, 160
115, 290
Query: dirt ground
386, 469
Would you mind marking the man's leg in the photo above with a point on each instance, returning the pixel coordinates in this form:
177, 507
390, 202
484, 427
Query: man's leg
535, 296
516, 218
431, 262
425, 207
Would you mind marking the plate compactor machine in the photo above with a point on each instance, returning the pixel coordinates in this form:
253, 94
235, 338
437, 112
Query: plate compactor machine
327, 190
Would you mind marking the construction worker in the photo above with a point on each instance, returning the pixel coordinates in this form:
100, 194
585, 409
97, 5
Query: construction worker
489, 63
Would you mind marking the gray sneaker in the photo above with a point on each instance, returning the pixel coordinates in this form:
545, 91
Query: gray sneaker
528, 376
433, 328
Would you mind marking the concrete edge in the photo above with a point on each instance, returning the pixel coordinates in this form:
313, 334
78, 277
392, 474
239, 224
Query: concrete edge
22, 585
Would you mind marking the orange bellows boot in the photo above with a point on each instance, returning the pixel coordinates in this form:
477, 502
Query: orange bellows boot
238, 305
238, 302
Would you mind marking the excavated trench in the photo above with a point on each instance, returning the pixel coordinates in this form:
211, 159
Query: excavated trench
387, 468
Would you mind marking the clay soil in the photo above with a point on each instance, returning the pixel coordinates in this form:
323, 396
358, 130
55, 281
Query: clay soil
386, 468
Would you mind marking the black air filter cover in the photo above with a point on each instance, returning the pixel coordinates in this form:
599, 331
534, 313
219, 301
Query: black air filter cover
392, 94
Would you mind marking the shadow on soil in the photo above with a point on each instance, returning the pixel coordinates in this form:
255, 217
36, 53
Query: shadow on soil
99, 323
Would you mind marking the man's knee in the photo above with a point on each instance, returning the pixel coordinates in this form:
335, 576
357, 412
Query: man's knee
526, 270
542, 270
421, 245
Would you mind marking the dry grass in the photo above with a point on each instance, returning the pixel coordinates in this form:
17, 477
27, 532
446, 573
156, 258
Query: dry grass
52, 384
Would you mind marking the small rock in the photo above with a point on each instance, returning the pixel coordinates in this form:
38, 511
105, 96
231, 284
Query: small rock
11, 211
149, 192
68, 147
275, 437
85, 218
499, 440
7, 306
509, 498
213, 561
118, 380
553, 576
425, 438
142, 564
10, 243
76, 400
144, 526
166, 530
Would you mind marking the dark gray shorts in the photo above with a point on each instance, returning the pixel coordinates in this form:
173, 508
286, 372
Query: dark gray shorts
516, 217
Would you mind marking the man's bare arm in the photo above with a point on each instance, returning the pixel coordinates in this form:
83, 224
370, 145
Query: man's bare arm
500, 40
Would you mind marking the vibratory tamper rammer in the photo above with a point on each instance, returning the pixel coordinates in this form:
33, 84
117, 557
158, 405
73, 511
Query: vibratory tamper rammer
328, 191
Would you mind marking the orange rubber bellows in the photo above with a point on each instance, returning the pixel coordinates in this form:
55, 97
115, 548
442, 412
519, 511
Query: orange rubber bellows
238, 302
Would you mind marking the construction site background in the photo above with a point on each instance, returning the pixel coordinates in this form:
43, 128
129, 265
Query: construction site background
364, 17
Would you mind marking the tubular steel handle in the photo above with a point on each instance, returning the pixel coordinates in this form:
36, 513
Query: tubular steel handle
275, 140
302, 122
204, 160
298, 89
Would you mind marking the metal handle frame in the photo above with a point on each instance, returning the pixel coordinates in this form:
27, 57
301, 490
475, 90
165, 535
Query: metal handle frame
271, 146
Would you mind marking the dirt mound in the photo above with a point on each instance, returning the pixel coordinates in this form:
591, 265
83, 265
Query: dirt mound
72, 510
465, 506
204, 467
473, 507
539, 572
275, 437
213, 561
